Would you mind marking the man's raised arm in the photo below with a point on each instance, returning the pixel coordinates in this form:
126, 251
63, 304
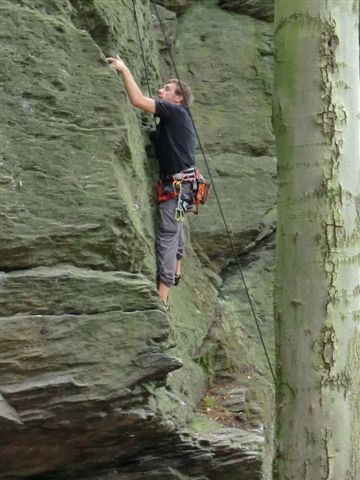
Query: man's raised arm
134, 93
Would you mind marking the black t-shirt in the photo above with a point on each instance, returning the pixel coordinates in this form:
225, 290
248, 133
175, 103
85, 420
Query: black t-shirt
175, 138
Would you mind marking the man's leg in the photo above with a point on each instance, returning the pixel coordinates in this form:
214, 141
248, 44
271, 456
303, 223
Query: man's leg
166, 247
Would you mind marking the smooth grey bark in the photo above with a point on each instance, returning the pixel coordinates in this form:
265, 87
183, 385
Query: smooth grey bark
317, 294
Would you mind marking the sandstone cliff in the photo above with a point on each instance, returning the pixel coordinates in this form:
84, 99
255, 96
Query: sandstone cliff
97, 381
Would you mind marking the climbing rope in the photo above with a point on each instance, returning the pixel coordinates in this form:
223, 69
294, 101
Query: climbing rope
210, 176
143, 54
142, 49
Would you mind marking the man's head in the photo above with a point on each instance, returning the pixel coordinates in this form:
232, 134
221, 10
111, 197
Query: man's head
176, 91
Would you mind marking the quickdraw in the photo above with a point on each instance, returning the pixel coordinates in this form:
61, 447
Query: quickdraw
179, 212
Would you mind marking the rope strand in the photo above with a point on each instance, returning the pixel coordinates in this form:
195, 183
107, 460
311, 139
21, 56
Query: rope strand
143, 54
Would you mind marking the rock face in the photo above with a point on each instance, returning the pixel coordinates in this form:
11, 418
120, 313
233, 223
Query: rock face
71, 165
97, 381
165, 25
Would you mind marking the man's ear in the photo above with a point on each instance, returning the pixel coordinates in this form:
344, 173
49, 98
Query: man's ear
179, 98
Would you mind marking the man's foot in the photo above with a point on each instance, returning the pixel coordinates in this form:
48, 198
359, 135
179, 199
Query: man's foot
165, 305
177, 279
163, 291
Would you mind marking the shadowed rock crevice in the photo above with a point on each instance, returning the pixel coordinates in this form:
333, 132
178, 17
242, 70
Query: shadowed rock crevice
177, 6
261, 9
88, 16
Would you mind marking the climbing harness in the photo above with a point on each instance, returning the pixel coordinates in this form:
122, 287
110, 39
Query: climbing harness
172, 187
211, 181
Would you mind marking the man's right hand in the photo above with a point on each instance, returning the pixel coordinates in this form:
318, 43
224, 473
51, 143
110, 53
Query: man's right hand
116, 63
135, 94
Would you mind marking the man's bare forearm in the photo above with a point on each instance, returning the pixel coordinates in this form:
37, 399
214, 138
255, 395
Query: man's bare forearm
137, 98
133, 90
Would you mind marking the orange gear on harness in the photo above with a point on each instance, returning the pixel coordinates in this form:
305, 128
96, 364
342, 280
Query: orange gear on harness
202, 191
165, 192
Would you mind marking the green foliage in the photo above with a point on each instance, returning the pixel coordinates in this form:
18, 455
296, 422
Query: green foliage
206, 362
209, 401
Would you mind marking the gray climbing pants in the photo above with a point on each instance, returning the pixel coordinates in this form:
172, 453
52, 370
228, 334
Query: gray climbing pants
170, 243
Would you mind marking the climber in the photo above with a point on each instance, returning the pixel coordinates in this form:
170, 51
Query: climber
175, 151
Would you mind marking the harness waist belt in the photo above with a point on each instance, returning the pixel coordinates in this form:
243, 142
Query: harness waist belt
185, 175
191, 169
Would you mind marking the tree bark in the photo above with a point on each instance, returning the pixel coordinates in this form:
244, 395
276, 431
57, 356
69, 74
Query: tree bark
317, 292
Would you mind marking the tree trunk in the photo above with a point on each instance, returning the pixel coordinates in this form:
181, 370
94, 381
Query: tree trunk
317, 294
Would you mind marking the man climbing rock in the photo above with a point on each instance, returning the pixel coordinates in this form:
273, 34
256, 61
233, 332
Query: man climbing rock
175, 150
